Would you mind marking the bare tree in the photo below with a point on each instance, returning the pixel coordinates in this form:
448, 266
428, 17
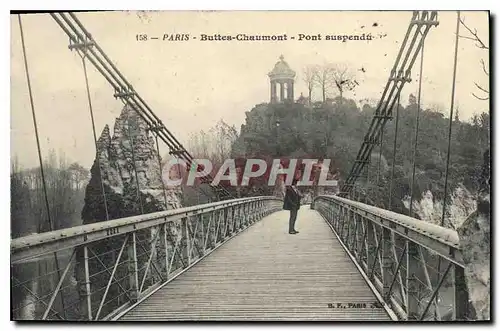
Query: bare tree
472, 35
200, 144
79, 175
343, 79
214, 144
309, 77
224, 137
337, 76
323, 79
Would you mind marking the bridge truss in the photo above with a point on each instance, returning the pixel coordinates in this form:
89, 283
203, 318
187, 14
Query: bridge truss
81, 40
419, 27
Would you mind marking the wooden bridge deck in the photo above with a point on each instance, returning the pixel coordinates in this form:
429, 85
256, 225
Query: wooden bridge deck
267, 274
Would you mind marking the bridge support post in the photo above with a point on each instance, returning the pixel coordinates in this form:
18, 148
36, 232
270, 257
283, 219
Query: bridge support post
132, 268
386, 262
412, 269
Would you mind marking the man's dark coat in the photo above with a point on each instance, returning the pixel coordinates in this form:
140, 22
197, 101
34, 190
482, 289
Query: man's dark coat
292, 199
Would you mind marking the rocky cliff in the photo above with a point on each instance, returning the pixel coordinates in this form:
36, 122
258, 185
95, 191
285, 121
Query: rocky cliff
128, 161
460, 205
128, 164
469, 214
475, 240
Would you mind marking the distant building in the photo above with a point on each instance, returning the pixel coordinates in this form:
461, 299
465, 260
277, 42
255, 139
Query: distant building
303, 100
282, 79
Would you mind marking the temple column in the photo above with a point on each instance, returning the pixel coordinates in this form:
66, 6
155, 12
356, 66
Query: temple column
290, 91
273, 92
282, 92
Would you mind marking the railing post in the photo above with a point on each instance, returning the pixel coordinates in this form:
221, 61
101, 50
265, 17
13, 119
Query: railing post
212, 221
331, 215
355, 237
233, 219
247, 214
240, 218
349, 217
252, 212
345, 225
225, 222
219, 226
87, 283
132, 268
165, 240
411, 280
386, 249
186, 255
366, 240
201, 219
461, 299
337, 215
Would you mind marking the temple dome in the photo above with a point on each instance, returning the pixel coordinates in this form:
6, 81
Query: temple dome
281, 70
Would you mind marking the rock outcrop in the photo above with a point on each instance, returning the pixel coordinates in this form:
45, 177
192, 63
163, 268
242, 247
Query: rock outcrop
460, 204
128, 167
475, 241
128, 160
469, 214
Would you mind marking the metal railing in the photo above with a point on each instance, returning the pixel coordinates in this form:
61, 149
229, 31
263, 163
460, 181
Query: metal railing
106, 267
414, 267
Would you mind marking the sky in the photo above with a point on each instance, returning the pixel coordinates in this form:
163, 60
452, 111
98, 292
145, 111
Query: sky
193, 84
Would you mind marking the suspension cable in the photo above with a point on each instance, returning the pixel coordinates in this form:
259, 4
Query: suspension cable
30, 93
83, 55
394, 149
35, 126
451, 119
449, 136
381, 144
368, 178
124, 90
412, 183
397, 80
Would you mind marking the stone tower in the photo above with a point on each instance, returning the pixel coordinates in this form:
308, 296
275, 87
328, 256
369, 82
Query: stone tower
281, 79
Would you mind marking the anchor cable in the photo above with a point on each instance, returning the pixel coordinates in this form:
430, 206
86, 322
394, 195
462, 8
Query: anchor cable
394, 150
451, 119
412, 183
39, 151
83, 55
449, 135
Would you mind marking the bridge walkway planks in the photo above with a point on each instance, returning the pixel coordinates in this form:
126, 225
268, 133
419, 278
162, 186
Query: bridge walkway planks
265, 273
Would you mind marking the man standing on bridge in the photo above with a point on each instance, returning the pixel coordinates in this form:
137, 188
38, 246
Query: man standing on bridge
292, 203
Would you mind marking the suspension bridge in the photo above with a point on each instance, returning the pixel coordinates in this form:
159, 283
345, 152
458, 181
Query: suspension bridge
232, 259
